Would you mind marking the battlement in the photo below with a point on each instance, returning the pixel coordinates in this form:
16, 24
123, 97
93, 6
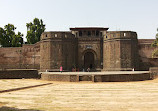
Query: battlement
110, 35
57, 35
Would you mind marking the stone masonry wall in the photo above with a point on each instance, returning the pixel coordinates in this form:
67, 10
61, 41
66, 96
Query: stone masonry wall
18, 73
145, 53
120, 51
26, 57
57, 49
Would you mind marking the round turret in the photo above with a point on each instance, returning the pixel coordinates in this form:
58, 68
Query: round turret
120, 50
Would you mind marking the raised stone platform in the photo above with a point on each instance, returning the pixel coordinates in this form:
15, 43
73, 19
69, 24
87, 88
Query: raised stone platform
111, 76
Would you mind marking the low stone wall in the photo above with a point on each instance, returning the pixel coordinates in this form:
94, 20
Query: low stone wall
18, 73
154, 72
85, 78
122, 77
117, 69
61, 77
98, 77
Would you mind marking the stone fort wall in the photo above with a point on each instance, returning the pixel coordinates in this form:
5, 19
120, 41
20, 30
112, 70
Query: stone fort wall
61, 48
145, 53
26, 57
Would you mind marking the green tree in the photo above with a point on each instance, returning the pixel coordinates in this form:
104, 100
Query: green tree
2, 37
34, 30
155, 44
8, 38
17, 40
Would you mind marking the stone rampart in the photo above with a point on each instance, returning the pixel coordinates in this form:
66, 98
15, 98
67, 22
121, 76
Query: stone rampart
26, 57
145, 53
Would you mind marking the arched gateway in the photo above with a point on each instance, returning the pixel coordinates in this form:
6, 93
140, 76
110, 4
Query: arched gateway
89, 60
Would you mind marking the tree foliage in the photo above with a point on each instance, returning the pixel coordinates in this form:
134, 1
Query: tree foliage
8, 37
34, 30
155, 43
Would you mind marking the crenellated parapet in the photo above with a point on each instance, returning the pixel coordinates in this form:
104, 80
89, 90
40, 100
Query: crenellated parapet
57, 35
116, 35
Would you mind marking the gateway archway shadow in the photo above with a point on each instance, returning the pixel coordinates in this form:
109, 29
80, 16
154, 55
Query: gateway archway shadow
89, 60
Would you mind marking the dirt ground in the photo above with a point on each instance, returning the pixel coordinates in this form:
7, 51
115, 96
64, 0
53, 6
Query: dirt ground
81, 96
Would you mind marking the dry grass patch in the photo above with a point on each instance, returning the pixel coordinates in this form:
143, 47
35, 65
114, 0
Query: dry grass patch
85, 96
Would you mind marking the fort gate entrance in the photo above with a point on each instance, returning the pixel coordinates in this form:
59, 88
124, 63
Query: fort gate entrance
89, 60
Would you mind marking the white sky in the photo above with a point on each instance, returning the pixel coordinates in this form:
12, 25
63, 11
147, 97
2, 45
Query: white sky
140, 16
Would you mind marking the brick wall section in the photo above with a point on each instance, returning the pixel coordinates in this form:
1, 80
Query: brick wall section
18, 74
26, 57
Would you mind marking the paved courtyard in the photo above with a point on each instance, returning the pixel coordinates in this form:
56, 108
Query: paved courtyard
82, 96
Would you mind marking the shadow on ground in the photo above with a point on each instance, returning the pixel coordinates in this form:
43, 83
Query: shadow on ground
15, 109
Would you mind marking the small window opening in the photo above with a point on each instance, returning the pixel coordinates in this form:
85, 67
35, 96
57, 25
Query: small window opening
89, 33
101, 34
124, 34
80, 33
76, 34
97, 33
56, 35
93, 32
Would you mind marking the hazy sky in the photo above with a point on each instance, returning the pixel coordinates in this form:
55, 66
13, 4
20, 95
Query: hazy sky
59, 15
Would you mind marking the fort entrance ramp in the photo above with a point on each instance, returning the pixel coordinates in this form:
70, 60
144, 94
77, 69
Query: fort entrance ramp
109, 76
